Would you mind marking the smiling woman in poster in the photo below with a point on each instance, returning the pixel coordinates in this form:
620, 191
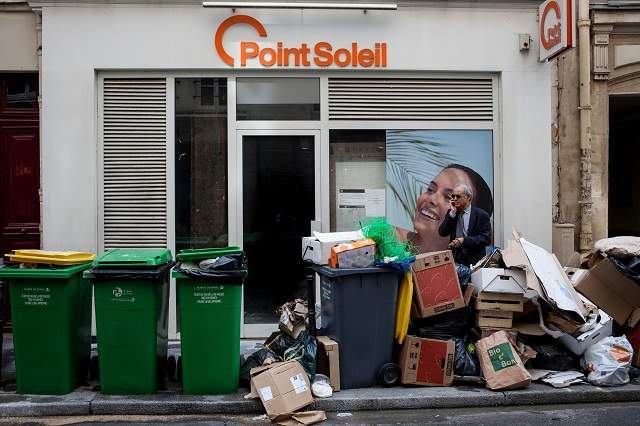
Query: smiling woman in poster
422, 169
433, 204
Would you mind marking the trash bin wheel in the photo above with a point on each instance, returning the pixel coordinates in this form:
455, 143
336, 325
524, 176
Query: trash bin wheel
172, 366
179, 369
94, 369
389, 374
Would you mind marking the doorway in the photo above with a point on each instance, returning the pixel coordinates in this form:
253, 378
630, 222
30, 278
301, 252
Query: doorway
19, 168
624, 174
279, 200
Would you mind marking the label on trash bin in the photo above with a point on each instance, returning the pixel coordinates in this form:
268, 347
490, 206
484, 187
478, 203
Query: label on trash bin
501, 356
298, 383
208, 294
122, 295
265, 393
35, 296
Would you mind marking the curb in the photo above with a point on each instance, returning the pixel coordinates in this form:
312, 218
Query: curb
83, 403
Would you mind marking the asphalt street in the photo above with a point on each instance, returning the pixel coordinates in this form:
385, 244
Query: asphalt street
583, 414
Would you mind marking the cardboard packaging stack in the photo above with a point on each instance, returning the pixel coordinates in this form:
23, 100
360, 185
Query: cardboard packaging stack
500, 293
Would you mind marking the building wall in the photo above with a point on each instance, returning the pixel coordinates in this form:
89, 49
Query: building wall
18, 43
77, 41
615, 39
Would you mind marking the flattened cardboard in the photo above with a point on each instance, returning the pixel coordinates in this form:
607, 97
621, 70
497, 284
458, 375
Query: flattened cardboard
557, 288
303, 418
427, 362
436, 286
610, 290
500, 280
328, 360
283, 387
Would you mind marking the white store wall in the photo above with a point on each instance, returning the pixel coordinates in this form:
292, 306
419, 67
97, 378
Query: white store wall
79, 41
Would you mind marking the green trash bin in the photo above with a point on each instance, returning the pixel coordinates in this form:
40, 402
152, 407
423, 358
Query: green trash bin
209, 310
131, 288
51, 314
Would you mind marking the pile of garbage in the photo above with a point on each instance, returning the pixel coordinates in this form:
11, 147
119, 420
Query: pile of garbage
515, 317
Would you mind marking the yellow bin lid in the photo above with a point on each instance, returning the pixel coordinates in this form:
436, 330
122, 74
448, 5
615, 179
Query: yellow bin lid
51, 257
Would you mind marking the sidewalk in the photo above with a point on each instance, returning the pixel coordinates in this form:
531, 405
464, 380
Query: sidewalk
87, 401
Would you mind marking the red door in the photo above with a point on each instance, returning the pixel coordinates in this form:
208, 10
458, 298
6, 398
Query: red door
19, 165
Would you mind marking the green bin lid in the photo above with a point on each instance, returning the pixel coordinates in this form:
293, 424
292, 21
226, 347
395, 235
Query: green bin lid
134, 257
15, 271
206, 253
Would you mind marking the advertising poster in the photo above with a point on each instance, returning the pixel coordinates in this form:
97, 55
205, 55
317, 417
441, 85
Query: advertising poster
423, 167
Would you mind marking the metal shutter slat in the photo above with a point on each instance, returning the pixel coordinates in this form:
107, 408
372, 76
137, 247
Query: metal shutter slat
435, 99
134, 183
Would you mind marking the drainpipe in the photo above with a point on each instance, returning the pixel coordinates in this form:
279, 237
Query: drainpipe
584, 52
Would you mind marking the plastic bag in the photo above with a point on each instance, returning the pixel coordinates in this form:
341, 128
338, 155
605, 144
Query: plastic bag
608, 361
228, 269
256, 359
629, 267
464, 276
321, 386
466, 361
303, 349
442, 327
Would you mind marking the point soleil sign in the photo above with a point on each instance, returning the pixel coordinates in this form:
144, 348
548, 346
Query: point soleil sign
321, 54
557, 27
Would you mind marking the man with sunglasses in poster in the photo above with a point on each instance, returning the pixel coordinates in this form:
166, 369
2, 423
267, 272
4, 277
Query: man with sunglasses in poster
469, 229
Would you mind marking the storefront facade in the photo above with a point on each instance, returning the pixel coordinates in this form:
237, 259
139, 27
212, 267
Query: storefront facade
154, 135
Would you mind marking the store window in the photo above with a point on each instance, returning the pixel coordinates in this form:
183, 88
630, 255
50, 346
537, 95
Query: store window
19, 91
407, 176
274, 98
201, 163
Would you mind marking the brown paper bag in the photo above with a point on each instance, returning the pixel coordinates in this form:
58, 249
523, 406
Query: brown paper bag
500, 363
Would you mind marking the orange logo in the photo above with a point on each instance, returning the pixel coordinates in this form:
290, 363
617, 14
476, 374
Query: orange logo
322, 53
550, 36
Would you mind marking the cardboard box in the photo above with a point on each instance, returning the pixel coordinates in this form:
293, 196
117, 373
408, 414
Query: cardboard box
610, 290
499, 280
509, 302
495, 319
578, 345
317, 248
358, 254
328, 360
283, 387
427, 362
436, 287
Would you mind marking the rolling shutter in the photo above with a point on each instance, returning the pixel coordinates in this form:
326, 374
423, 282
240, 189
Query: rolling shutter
432, 99
134, 129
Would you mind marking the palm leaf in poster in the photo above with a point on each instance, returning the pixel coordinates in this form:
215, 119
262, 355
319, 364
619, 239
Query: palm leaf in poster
413, 158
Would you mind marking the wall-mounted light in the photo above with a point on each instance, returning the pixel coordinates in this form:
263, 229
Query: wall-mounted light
300, 5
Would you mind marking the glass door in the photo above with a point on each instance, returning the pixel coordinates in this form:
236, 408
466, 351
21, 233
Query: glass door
279, 206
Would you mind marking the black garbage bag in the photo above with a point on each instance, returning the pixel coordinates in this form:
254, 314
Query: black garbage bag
552, 356
443, 326
464, 276
228, 269
303, 349
254, 360
466, 361
630, 267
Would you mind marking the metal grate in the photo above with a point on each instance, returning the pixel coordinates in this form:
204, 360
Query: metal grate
134, 130
433, 99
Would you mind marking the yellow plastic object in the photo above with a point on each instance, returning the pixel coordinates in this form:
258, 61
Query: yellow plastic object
403, 310
51, 257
